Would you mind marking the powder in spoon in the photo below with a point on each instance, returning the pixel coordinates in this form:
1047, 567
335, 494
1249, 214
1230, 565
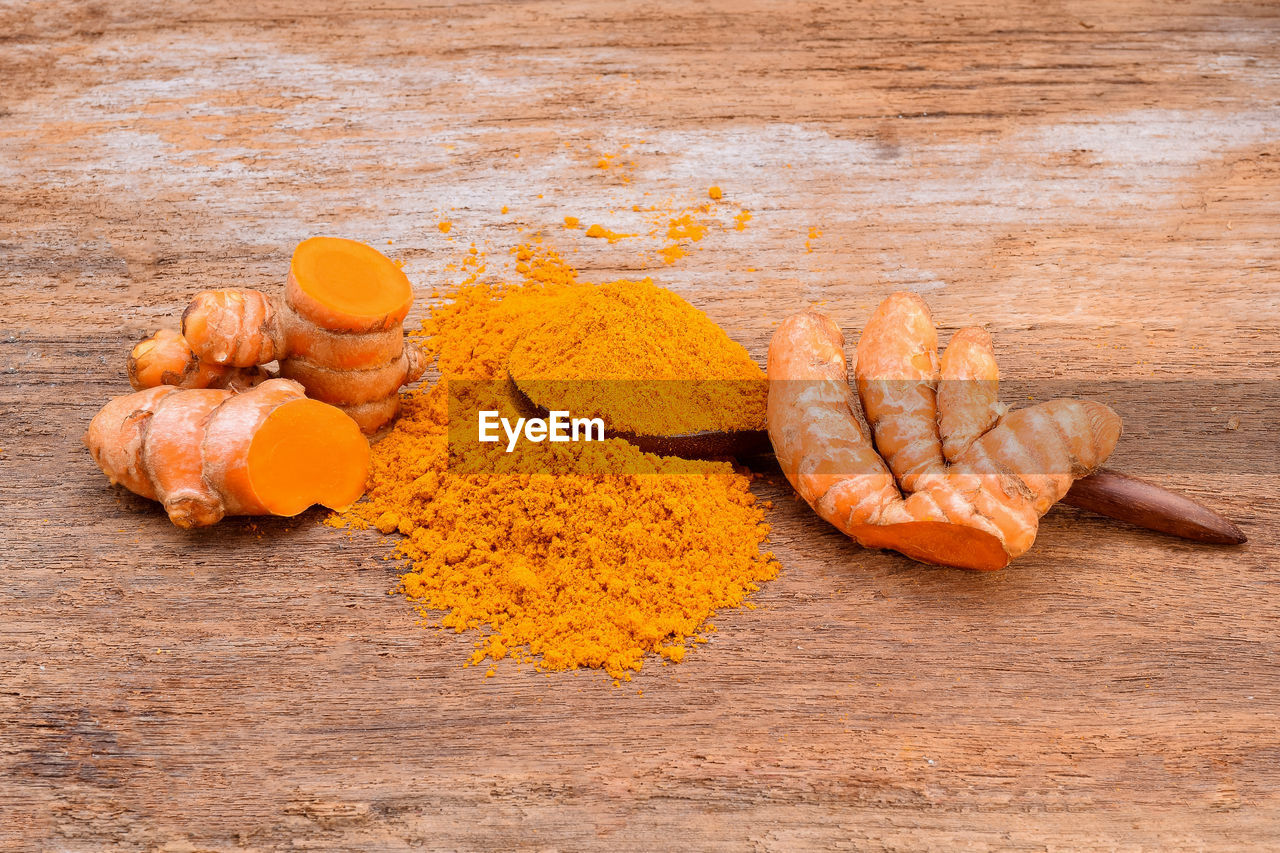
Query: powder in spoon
640, 357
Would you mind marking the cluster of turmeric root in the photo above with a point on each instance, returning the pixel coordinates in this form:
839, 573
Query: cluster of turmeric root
976, 479
211, 432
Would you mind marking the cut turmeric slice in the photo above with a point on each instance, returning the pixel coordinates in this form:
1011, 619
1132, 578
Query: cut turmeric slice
306, 453
344, 285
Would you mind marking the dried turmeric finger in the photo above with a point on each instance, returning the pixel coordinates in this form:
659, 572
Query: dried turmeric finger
969, 391
977, 513
208, 453
897, 371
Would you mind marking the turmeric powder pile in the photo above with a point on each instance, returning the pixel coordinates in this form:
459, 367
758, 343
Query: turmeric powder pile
643, 359
560, 568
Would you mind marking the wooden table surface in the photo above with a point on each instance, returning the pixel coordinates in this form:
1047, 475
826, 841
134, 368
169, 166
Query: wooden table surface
1096, 182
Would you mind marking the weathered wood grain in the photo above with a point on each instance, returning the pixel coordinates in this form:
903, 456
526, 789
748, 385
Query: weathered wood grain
1095, 182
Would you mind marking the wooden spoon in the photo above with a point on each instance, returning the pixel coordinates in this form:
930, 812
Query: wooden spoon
1104, 492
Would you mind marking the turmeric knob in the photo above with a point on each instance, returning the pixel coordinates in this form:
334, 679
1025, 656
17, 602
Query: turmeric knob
235, 327
165, 358
948, 480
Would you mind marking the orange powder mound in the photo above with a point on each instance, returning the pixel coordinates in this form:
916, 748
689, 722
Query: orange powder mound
572, 222
715, 194
673, 370
562, 570
444, 227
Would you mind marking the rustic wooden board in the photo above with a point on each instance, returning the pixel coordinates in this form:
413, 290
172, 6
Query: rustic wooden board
1097, 182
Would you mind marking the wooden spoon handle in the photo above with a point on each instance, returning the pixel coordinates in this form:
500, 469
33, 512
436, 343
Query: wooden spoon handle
1147, 505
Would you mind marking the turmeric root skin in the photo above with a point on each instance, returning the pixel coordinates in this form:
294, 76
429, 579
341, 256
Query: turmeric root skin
234, 327
208, 453
352, 387
969, 390
242, 328
979, 512
165, 358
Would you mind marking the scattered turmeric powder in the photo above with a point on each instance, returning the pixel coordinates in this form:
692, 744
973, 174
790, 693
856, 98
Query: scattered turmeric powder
614, 163
683, 230
814, 234
570, 569
601, 232
674, 252
741, 220
683, 227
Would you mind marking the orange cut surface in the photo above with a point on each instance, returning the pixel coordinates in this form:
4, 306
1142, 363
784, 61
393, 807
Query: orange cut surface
307, 452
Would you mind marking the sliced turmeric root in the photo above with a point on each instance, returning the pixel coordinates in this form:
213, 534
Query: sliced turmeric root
978, 512
337, 330
208, 453
352, 387
344, 285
